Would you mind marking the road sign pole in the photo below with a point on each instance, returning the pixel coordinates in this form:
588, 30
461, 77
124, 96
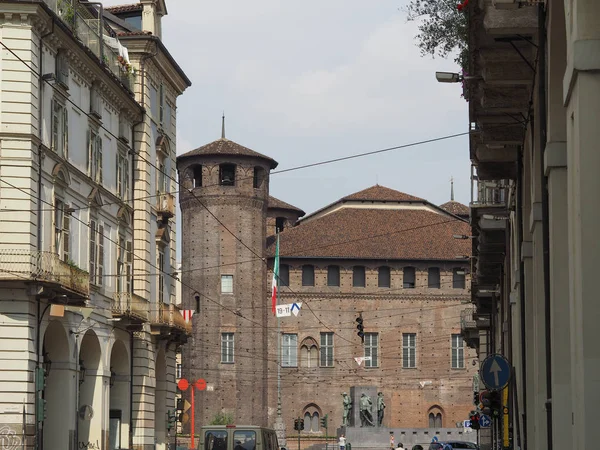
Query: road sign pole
193, 419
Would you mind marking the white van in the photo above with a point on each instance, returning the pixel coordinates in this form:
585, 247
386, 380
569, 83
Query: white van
237, 437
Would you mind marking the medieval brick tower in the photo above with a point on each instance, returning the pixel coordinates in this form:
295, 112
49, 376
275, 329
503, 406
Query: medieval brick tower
224, 204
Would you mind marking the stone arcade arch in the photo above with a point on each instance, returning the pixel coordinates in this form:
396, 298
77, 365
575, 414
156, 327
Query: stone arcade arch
91, 392
60, 388
119, 406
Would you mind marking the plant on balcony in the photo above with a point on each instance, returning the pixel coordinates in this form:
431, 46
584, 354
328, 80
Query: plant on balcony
67, 12
222, 419
443, 28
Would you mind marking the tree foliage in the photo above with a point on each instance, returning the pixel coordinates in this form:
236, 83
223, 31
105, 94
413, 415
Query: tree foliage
443, 28
222, 419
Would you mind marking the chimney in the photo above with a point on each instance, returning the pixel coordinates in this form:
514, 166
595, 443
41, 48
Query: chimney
152, 15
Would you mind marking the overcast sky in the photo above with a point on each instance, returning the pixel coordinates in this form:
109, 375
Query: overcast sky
314, 80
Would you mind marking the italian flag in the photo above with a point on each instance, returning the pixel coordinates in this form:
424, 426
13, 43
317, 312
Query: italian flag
275, 278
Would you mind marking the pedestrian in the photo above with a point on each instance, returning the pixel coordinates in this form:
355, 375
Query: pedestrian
342, 442
400, 446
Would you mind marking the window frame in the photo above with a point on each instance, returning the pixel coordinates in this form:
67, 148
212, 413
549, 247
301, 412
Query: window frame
458, 351
379, 277
306, 268
96, 251
371, 348
227, 348
284, 275
161, 259
409, 345
124, 263
405, 284
289, 342
335, 269
460, 279
95, 156
229, 280
123, 175
226, 167
59, 128
355, 279
326, 352
437, 285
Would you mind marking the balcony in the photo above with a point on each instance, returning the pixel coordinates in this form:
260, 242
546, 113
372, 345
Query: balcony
130, 306
167, 321
468, 327
165, 205
46, 268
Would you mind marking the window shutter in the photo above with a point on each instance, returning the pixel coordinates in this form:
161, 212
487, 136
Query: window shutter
119, 175
66, 236
89, 152
65, 132
53, 126
92, 256
99, 158
100, 254
125, 178
129, 258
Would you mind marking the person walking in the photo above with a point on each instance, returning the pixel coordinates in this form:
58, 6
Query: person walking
342, 442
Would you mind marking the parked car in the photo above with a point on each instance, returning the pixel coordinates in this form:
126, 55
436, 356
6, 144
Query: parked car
454, 445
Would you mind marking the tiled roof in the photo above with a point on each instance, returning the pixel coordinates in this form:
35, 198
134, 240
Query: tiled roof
134, 33
280, 204
382, 193
226, 147
456, 208
117, 9
412, 234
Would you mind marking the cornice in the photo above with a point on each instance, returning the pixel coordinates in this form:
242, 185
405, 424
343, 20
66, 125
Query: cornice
374, 296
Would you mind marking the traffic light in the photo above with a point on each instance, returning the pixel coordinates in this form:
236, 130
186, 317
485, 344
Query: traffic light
179, 404
324, 421
474, 418
41, 412
296, 424
486, 402
496, 402
360, 328
476, 398
171, 419
301, 425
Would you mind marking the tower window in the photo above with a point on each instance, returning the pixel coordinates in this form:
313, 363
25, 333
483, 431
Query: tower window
197, 172
358, 276
259, 174
308, 275
279, 224
333, 275
384, 279
433, 277
409, 278
227, 174
458, 278
284, 275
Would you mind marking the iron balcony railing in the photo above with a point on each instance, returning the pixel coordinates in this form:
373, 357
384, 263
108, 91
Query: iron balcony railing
128, 304
467, 319
170, 315
43, 267
489, 193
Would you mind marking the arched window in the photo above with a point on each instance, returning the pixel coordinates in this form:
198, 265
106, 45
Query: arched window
227, 174
358, 276
259, 176
433, 278
384, 279
279, 224
311, 415
314, 423
308, 275
435, 416
308, 356
333, 275
197, 173
458, 278
409, 278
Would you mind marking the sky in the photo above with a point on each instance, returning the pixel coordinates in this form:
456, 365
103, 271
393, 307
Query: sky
309, 81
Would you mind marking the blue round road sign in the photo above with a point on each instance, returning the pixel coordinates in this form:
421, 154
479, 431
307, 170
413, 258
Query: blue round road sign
495, 372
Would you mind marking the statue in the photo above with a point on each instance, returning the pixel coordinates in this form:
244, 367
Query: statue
366, 415
347, 407
380, 408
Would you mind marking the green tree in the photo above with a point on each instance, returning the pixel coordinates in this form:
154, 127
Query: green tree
222, 419
443, 28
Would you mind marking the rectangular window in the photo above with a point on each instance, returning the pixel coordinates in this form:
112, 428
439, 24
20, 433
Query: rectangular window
124, 265
161, 100
62, 69
96, 252
372, 349
289, 350
384, 278
162, 179
60, 129
409, 350
409, 278
326, 349
458, 278
178, 371
95, 156
66, 240
433, 278
161, 274
226, 284
458, 352
58, 225
284, 275
227, 348
308, 275
123, 176
358, 276
333, 275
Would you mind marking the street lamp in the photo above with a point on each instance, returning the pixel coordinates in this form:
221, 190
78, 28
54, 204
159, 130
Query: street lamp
453, 77
81, 371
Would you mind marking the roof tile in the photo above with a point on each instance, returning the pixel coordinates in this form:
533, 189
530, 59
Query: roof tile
456, 208
275, 203
382, 193
117, 9
226, 147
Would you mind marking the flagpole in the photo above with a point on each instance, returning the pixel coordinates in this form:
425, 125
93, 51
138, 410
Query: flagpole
279, 421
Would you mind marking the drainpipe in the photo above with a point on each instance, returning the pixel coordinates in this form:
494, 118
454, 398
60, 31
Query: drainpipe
40, 314
545, 214
522, 291
131, 389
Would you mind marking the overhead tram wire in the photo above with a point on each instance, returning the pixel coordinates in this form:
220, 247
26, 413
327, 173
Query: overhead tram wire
204, 206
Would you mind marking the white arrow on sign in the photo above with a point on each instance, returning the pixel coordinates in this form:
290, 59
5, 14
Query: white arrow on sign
495, 368
296, 308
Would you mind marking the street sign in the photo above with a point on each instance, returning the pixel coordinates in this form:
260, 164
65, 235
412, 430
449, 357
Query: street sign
360, 359
186, 405
185, 418
485, 421
296, 308
200, 384
283, 310
466, 424
183, 384
495, 372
